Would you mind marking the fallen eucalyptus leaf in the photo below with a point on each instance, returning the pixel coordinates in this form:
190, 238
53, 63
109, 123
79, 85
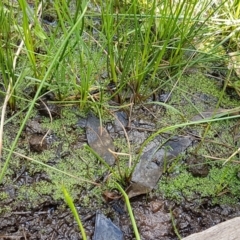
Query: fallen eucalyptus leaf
99, 139
150, 167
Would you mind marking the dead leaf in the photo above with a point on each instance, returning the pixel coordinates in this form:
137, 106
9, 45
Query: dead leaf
99, 139
150, 167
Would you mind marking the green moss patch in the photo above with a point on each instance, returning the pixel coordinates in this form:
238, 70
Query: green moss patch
222, 185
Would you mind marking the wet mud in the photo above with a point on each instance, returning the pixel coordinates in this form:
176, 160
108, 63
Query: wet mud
157, 217
154, 217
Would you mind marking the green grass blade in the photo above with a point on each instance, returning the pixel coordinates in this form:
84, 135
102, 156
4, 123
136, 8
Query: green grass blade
130, 212
218, 117
70, 203
101, 160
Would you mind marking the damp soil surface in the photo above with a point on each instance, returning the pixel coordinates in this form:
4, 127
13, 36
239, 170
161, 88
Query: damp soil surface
174, 190
174, 176
154, 218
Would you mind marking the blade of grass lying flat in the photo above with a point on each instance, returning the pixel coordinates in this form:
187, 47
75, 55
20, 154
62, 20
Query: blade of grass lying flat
218, 117
70, 203
52, 168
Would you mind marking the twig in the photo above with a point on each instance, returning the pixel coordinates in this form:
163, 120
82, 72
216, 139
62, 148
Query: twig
51, 119
24, 234
127, 138
235, 153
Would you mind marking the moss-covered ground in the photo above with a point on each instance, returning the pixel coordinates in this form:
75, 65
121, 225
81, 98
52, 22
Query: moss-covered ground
193, 95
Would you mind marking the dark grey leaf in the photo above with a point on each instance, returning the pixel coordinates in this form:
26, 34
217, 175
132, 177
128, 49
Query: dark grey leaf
105, 229
99, 139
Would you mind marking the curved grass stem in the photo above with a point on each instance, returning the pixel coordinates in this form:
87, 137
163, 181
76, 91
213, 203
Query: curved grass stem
130, 212
70, 203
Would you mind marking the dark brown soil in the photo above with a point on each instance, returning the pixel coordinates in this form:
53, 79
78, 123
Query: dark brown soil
48, 218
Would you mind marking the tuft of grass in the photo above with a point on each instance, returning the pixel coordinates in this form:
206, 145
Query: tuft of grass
139, 43
6, 56
142, 46
40, 87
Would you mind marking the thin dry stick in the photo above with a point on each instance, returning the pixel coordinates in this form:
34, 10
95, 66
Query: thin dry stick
220, 159
235, 153
118, 153
10, 237
8, 92
51, 120
56, 169
2, 117
128, 142
52, 236
24, 234
212, 157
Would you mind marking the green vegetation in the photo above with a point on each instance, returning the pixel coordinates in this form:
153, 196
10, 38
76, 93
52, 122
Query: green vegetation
90, 54
221, 185
70, 203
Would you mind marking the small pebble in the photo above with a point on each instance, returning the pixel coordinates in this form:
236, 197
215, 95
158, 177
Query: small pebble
37, 143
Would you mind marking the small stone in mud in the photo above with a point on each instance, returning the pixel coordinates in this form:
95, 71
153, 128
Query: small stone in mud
33, 126
47, 108
37, 143
121, 120
156, 205
197, 166
164, 97
49, 20
106, 229
150, 167
81, 123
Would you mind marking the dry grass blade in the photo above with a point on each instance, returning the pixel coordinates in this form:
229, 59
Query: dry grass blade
55, 169
51, 119
234, 154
